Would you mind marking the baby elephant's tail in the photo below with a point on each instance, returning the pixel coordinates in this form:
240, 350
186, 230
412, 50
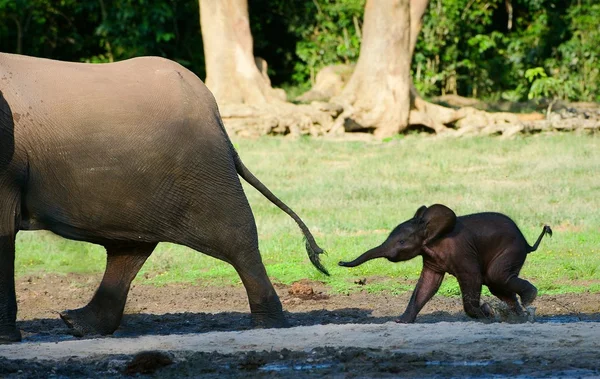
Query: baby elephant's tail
545, 230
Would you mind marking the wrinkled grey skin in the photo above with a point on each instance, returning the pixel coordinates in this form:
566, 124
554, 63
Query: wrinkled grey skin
125, 155
478, 249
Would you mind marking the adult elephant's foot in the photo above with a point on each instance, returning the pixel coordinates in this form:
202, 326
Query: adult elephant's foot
84, 321
405, 319
9, 334
268, 314
265, 321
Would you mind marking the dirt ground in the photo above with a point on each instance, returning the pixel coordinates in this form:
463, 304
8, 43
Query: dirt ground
205, 331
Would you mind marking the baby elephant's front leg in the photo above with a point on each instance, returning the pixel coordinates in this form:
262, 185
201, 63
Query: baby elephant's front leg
428, 284
470, 287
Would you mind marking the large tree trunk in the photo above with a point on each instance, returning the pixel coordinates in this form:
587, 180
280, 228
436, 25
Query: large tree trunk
239, 81
378, 93
423, 112
232, 73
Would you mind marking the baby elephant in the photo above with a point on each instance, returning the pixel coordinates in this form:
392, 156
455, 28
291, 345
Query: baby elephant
481, 248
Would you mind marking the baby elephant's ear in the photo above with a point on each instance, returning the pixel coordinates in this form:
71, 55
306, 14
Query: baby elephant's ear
438, 220
420, 212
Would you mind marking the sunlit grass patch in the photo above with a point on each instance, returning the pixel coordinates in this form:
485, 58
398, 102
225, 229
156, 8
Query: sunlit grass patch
351, 194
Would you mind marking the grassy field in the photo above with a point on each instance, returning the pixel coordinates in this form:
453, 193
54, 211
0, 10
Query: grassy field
351, 194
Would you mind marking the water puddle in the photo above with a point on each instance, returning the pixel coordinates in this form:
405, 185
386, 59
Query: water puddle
566, 319
460, 363
279, 367
468, 363
580, 374
48, 337
574, 373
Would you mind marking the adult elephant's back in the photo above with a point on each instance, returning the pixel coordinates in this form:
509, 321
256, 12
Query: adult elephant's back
117, 150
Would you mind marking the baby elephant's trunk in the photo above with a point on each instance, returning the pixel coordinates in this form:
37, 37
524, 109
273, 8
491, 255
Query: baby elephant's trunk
545, 230
376, 252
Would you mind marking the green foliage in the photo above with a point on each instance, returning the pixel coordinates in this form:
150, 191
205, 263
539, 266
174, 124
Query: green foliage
298, 38
543, 86
465, 46
103, 30
468, 47
333, 37
578, 59
351, 194
43, 28
131, 28
454, 44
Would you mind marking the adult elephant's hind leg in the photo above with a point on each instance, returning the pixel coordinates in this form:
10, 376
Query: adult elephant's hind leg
222, 226
265, 306
233, 239
102, 315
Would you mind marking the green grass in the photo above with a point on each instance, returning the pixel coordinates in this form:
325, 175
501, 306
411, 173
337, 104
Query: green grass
351, 194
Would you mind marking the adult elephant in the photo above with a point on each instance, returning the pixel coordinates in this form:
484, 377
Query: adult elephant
125, 155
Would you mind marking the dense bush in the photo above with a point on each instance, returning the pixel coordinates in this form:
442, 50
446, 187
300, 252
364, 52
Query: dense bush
474, 48
470, 47
103, 30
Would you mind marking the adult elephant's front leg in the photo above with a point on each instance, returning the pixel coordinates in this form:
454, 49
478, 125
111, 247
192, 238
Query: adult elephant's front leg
8, 300
102, 315
428, 284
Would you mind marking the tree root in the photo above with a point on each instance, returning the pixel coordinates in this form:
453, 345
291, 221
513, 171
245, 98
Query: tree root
337, 119
279, 119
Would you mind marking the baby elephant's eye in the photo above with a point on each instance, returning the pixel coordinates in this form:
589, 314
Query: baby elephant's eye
401, 242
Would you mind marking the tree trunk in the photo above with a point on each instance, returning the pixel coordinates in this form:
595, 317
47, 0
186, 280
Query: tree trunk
19, 35
231, 70
378, 93
417, 10
422, 112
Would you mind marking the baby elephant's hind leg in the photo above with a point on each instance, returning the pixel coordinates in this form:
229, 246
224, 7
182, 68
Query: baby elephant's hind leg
510, 298
102, 315
527, 291
503, 275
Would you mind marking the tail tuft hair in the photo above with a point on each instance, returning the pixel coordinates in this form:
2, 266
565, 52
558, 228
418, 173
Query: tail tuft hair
313, 255
545, 230
312, 248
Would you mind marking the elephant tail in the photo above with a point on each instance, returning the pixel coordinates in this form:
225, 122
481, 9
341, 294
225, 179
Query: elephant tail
545, 230
312, 248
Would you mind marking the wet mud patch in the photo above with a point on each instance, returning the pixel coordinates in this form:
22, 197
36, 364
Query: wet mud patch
185, 309
318, 362
189, 308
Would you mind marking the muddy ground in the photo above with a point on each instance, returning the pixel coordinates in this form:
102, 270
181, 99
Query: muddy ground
205, 331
